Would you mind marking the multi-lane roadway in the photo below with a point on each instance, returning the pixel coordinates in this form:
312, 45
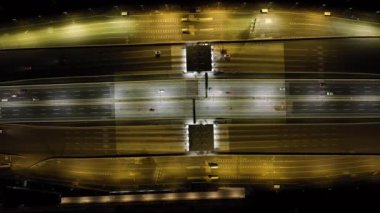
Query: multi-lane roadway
127, 128
178, 26
273, 58
175, 171
172, 99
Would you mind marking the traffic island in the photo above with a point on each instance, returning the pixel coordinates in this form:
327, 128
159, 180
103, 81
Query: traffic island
198, 57
201, 138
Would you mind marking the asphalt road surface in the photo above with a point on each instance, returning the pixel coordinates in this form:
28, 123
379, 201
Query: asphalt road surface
47, 141
172, 99
314, 56
298, 138
169, 27
44, 63
330, 56
52, 140
104, 156
176, 171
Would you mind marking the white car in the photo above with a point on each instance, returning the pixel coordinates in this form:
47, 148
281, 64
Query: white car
212, 177
227, 57
328, 93
157, 53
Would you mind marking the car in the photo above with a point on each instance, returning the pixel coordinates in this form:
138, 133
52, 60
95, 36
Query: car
264, 10
281, 107
2, 131
327, 13
227, 57
4, 100
213, 165
27, 67
329, 93
212, 177
203, 43
157, 53
185, 31
35, 99
282, 88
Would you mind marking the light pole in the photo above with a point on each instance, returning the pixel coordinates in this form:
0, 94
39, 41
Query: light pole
206, 85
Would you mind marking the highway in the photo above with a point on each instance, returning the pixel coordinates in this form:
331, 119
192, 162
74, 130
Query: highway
298, 138
164, 27
287, 24
171, 99
329, 56
176, 171
93, 141
313, 56
172, 139
130, 132
369, 88
132, 60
